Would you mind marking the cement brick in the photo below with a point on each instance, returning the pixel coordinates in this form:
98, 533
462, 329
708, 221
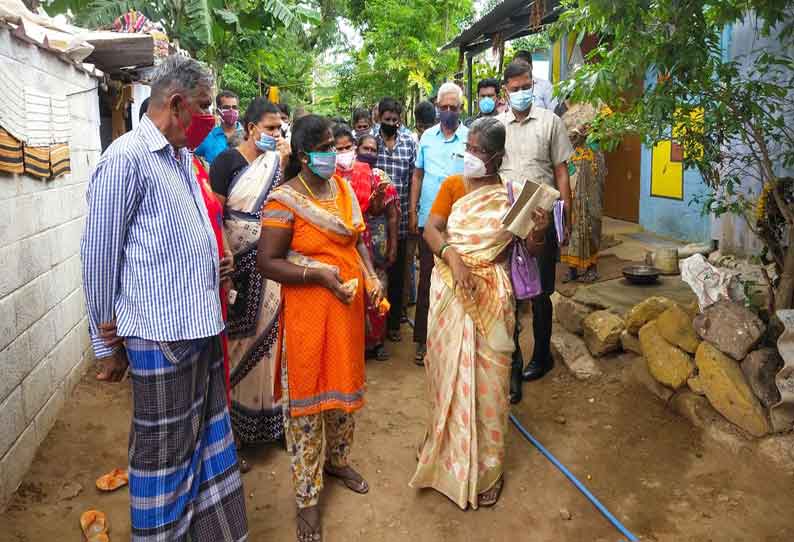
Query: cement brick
26, 214
9, 185
30, 304
48, 414
73, 309
67, 354
35, 255
8, 321
66, 278
52, 211
14, 364
15, 464
85, 337
31, 185
67, 240
10, 278
42, 336
9, 229
76, 374
36, 389
12, 420
75, 201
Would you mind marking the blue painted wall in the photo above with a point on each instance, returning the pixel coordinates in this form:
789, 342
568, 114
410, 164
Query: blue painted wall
679, 219
668, 217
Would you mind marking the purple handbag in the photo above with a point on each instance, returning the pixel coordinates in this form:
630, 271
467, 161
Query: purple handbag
523, 268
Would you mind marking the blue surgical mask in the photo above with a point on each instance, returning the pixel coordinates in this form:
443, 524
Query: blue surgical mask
323, 164
487, 105
521, 99
266, 143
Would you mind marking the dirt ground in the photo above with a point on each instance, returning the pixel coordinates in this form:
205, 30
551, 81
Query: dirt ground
654, 471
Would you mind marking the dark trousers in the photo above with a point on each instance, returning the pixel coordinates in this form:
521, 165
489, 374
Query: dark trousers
518, 356
396, 286
426, 264
542, 311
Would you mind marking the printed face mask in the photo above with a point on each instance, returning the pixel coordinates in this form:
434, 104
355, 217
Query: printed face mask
521, 99
230, 116
345, 159
322, 164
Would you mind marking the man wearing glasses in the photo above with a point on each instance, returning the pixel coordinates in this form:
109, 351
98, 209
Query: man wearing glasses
223, 136
440, 155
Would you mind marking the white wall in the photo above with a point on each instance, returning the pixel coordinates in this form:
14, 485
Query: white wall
44, 346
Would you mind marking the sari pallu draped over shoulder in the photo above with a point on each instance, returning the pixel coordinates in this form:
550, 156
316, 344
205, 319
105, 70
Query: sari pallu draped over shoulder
253, 320
324, 338
469, 348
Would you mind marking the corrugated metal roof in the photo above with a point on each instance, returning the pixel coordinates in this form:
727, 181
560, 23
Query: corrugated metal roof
510, 19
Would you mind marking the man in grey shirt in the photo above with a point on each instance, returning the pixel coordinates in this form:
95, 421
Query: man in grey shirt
537, 148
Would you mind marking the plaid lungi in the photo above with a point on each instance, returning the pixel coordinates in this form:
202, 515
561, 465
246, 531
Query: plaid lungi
184, 477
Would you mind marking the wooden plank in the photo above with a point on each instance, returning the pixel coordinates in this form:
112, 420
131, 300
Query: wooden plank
113, 51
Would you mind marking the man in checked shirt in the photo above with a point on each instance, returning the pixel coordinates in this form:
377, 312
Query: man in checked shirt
397, 157
150, 263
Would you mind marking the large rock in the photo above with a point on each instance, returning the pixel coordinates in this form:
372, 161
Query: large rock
727, 390
602, 331
640, 373
644, 312
760, 368
570, 314
630, 343
732, 328
675, 325
668, 364
570, 350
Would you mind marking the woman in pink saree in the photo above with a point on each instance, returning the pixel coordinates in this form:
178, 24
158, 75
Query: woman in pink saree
471, 323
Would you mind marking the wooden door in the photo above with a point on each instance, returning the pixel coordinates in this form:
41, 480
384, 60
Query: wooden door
622, 187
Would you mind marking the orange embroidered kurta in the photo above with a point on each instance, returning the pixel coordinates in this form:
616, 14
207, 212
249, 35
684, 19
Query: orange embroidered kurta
324, 337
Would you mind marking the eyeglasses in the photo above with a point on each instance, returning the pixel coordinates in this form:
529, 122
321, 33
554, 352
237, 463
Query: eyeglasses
474, 149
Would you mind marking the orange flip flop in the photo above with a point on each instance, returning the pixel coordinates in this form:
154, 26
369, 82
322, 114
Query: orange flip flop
94, 525
113, 480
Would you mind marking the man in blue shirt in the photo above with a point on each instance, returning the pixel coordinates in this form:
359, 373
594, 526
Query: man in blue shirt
440, 155
224, 135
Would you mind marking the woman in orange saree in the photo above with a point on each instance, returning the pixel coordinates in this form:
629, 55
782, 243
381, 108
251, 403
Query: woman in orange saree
470, 326
311, 243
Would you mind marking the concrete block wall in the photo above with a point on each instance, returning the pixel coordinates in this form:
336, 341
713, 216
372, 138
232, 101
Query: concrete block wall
44, 345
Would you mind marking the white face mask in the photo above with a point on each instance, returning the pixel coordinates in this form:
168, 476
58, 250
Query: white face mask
473, 167
345, 159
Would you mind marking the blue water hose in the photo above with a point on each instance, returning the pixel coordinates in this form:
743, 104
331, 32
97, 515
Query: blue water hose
579, 485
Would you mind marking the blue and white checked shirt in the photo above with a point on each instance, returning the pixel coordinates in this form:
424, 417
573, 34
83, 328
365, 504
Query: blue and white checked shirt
149, 253
399, 164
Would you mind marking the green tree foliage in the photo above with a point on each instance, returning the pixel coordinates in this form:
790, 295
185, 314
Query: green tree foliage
401, 55
194, 24
734, 122
251, 44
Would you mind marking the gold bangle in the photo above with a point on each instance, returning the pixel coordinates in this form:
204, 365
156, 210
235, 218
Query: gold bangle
305, 270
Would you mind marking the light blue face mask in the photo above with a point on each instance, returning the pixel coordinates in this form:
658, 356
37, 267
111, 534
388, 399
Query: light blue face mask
322, 164
487, 105
266, 143
521, 99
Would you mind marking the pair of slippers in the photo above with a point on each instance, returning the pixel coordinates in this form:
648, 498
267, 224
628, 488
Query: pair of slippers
94, 523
